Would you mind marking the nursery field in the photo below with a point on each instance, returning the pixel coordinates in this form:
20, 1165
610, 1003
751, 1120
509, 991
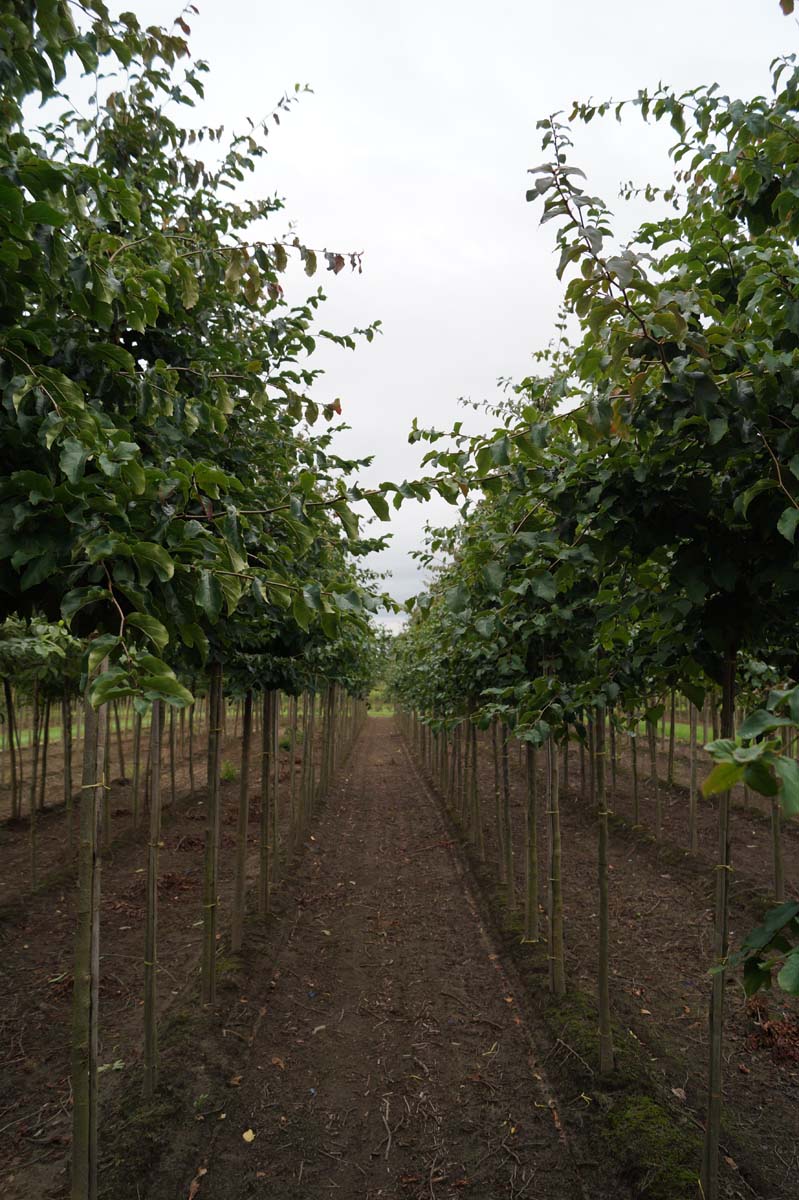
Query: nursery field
387, 1031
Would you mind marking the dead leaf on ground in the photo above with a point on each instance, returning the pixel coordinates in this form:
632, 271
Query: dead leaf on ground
195, 1183
278, 1062
248, 1136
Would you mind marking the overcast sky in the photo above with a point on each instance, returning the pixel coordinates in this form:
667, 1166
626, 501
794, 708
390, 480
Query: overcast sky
414, 148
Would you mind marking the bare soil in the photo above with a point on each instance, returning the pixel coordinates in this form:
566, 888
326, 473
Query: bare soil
385, 1034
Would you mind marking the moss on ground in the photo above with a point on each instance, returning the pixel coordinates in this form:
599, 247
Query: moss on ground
657, 1154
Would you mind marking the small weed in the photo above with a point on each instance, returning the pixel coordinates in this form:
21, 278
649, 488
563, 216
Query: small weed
229, 772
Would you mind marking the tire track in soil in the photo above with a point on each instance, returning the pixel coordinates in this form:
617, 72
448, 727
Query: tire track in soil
390, 1061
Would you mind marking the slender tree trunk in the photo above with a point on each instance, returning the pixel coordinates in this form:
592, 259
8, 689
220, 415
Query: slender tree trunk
106, 793
778, 871
274, 808
477, 816
136, 800
45, 748
672, 732
192, 711
66, 723
565, 774
240, 881
172, 780
555, 949
501, 864
216, 704
85, 1000
710, 1159
605, 1029
265, 846
507, 827
634, 764
120, 745
531, 922
33, 830
693, 824
12, 753
151, 912
653, 769
295, 816
613, 757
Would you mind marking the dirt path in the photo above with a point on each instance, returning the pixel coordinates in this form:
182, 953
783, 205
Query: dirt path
389, 1059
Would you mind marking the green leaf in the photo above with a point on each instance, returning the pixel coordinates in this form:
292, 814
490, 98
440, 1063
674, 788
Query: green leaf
788, 522
312, 595
457, 598
79, 597
208, 596
759, 722
758, 777
301, 612
38, 570
788, 771
166, 687
99, 649
775, 920
42, 213
543, 585
755, 976
72, 459
762, 485
788, 977
151, 628
156, 557
379, 506
115, 356
494, 576
694, 693
723, 776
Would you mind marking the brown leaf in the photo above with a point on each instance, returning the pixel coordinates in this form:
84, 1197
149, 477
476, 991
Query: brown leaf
278, 1062
195, 1183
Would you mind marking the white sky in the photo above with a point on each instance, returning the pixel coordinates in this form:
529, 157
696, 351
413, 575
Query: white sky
414, 148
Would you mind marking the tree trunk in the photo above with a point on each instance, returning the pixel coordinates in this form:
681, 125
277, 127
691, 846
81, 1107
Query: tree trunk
32, 830
136, 800
710, 1158
693, 824
653, 769
120, 745
66, 724
507, 827
265, 846
45, 748
172, 780
274, 809
295, 816
216, 702
192, 712
12, 753
531, 923
776, 849
477, 816
605, 1029
240, 881
634, 764
501, 863
555, 950
85, 998
670, 767
151, 912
